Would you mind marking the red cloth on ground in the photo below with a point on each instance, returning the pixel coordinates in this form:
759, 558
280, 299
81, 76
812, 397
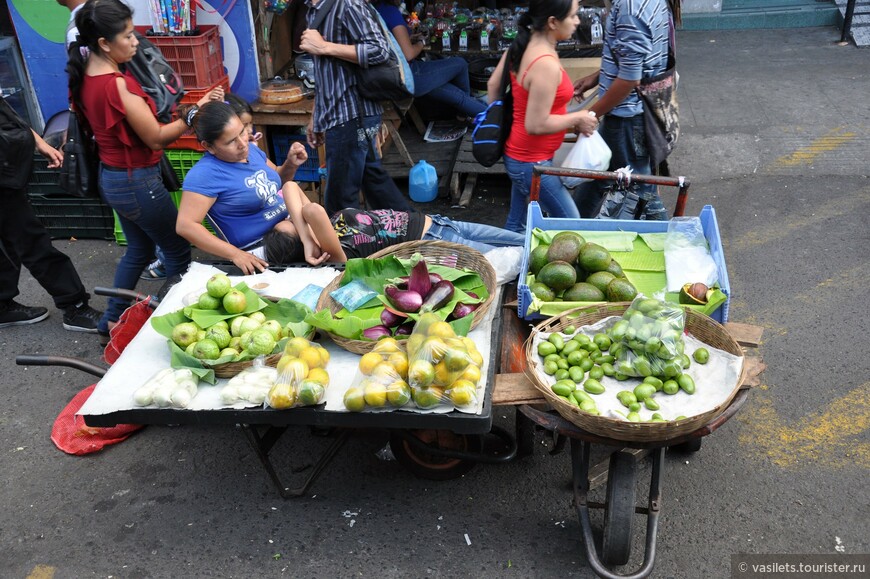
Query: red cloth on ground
71, 435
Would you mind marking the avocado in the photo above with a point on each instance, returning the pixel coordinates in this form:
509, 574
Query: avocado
538, 259
600, 279
557, 275
594, 258
542, 292
614, 268
565, 247
583, 292
620, 290
581, 273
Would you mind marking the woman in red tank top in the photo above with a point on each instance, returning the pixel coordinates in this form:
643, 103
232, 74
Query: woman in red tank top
541, 91
129, 143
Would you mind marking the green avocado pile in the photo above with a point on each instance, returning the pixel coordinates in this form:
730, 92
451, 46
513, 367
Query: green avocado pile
571, 269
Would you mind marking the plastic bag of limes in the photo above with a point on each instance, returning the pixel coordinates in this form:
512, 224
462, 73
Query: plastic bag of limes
648, 340
444, 369
302, 377
381, 380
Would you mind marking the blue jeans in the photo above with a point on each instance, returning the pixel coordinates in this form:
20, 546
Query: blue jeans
147, 215
353, 163
555, 200
626, 138
446, 80
481, 237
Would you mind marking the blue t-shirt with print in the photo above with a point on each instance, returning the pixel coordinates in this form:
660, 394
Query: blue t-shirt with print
247, 196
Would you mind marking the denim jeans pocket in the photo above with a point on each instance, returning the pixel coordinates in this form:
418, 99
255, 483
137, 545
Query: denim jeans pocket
121, 195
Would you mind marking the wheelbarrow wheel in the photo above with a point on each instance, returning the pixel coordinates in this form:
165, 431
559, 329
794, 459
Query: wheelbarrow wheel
619, 510
691, 445
432, 465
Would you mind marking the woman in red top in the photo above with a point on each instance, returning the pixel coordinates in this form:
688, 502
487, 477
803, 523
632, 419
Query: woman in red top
129, 140
541, 91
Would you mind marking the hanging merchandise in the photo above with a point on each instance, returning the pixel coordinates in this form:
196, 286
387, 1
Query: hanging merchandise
276, 6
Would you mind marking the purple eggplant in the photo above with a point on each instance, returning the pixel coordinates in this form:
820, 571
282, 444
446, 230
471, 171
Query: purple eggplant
472, 294
405, 329
404, 300
462, 310
419, 281
438, 296
434, 278
391, 320
375, 333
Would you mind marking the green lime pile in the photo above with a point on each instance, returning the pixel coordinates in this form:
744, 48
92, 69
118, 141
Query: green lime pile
570, 269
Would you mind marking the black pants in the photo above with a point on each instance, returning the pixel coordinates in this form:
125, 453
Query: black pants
25, 241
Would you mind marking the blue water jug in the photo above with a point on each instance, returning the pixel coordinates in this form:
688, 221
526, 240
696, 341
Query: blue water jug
423, 183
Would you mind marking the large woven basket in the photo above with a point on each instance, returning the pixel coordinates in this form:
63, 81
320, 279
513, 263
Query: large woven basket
230, 369
434, 252
698, 325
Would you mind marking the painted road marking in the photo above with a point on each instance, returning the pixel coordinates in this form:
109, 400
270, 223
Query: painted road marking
831, 141
826, 438
42, 572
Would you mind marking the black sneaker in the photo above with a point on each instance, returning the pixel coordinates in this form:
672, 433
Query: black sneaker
81, 318
15, 314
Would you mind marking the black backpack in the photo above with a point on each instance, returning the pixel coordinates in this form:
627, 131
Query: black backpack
158, 79
493, 126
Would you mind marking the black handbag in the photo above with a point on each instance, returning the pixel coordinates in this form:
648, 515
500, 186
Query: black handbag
168, 175
492, 126
661, 114
79, 172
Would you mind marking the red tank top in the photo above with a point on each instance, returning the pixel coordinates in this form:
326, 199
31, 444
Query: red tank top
521, 145
117, 143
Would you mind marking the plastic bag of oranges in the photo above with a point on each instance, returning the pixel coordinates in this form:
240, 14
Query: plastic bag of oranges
381, 381
302, 377
444, 369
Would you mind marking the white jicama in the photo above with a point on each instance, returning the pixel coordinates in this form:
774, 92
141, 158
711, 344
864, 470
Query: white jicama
168, 387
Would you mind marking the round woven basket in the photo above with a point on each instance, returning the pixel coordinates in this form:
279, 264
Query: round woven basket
230, 369
700, 326
434, 252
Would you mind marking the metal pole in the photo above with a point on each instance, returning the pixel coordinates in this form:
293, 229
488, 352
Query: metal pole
847, 20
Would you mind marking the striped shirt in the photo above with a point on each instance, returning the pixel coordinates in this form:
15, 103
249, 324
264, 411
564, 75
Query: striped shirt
635, 37
336, 99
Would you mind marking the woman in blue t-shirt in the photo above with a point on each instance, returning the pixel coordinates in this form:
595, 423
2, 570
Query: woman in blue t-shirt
237, 188
260, 221
444, 79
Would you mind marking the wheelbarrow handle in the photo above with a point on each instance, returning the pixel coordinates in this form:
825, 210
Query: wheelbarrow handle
77, 363
114, 292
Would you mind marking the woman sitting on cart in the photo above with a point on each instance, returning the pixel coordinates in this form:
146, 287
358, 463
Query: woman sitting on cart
261, 220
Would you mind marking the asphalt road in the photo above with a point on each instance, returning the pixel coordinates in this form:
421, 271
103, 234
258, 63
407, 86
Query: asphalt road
775, 137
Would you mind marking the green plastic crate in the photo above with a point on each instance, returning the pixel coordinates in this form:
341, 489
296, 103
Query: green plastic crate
44, 181
66, 217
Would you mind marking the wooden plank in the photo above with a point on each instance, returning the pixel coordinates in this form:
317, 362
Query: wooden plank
745, 334
468, 190
515, 389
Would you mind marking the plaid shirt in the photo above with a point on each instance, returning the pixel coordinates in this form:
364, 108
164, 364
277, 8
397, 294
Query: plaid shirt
336, 99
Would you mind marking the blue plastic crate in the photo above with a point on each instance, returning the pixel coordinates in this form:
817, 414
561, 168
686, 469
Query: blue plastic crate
310, 171
536, 219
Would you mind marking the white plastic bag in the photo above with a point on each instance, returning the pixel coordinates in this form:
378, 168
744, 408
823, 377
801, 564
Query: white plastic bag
687, 254
588, 153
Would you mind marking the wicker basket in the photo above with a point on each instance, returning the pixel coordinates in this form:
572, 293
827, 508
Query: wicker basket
434, 252
700, 326
230, 369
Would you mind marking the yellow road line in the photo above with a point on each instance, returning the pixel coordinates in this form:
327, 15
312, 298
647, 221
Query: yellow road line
827, 438
833, 140
42, 572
